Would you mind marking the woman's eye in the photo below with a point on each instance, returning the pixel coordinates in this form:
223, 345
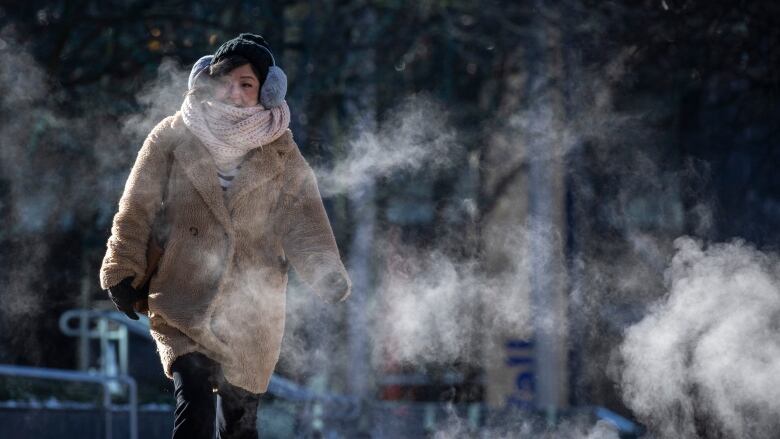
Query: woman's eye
246, 85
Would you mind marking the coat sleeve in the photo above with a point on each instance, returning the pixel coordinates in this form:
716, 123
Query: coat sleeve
309, 242
126, 248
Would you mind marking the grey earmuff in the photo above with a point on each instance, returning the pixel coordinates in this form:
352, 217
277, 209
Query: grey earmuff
275, 86
199, 67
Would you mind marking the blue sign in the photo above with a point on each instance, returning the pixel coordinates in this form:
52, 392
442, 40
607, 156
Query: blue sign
519, 357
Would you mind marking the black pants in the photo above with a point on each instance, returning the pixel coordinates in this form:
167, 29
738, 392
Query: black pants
197, 416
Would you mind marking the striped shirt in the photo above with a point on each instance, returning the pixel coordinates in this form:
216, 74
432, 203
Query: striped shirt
226, 178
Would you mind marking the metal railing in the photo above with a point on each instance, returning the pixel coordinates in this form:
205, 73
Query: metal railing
113, 326
77, 323
104, 332
74, 376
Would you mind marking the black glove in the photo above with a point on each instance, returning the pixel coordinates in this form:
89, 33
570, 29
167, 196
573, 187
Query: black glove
124, 295
335, 287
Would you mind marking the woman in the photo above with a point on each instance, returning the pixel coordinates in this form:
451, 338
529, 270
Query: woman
239, 202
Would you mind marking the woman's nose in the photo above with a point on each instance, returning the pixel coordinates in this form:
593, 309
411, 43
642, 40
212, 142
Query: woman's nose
234, 92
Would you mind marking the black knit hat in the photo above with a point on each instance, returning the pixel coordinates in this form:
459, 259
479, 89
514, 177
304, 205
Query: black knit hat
252, 47
255, 49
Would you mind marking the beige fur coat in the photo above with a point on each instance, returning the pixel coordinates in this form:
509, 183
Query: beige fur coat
221, 283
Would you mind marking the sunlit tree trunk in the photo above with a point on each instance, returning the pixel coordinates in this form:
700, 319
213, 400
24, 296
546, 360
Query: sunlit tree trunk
547, 209
360, 105
523, 222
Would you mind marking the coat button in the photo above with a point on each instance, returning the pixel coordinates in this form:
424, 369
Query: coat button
194, 231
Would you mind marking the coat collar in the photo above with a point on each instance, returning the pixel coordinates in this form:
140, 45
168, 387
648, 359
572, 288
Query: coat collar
261, 165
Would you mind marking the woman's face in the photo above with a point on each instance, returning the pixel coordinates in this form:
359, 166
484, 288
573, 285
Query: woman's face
239, 87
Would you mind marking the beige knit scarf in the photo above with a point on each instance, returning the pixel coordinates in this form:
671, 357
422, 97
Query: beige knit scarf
230, 132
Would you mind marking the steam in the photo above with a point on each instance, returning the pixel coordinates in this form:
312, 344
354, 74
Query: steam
64, 162
158, 99
706, 358
415, 136
434, 308
27, 204
427, 307
522, 426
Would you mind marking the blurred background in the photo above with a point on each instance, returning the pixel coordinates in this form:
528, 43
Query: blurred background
560, 218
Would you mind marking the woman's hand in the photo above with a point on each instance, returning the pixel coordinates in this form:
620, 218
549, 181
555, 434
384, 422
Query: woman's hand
124, 295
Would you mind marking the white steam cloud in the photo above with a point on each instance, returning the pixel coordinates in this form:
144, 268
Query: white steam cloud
29, 202
415, 136
455, 426
434, 308
159, 99
706, 360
